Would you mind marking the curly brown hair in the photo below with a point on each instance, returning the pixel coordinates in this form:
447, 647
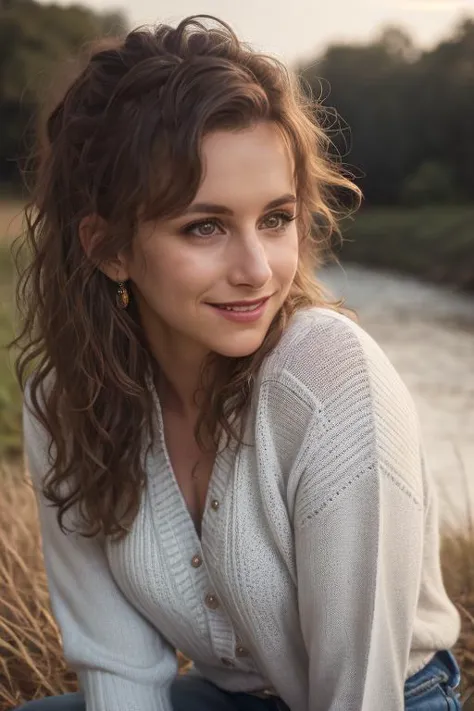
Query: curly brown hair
134, 116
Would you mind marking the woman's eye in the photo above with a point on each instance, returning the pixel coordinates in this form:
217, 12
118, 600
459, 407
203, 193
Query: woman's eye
273, 221
201, 229
209, 228
277, 221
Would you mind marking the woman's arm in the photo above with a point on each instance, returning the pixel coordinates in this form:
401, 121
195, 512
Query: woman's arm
359, 524
122, 662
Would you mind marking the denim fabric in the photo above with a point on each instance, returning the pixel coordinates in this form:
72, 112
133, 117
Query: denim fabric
187, 694
434, 687
431, 689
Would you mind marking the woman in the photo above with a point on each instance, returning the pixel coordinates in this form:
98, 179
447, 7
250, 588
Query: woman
226, 464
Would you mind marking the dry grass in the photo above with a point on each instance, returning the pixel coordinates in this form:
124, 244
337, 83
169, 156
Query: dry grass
458, 569
30, 659
31, 663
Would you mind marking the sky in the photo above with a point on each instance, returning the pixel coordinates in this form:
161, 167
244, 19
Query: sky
299, 29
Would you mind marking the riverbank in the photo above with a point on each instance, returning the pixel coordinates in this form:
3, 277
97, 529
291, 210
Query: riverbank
433, 243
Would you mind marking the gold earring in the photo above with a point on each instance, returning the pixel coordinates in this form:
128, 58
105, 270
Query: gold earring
122, 296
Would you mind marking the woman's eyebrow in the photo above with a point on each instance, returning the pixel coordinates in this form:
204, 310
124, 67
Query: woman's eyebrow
212, 208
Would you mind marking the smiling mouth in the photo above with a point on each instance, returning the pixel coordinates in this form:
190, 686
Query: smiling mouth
241, 306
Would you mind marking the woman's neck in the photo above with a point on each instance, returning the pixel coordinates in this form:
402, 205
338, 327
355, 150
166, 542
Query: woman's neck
180, 387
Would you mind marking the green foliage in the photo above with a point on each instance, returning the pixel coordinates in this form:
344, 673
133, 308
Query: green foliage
10, 399
435, 243
35, 40
404, 112
35, 37
432, 183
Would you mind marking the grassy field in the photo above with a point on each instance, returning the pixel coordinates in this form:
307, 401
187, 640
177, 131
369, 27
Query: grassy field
433, 243
31, 663
10, 404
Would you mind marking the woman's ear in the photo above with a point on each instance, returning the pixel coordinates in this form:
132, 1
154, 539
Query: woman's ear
92, 229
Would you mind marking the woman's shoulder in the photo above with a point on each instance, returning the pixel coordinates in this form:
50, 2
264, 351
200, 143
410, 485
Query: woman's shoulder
320, 332
322, 325
328, 380
323, 350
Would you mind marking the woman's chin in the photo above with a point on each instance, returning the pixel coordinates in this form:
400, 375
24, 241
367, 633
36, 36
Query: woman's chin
239, 346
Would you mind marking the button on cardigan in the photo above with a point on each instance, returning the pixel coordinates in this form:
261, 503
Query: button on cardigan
319, 553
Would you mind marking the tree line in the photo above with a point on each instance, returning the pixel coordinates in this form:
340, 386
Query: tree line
406, 116
36, 40
401, 118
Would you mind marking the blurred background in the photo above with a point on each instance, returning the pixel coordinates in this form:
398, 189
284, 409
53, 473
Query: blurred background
398, 76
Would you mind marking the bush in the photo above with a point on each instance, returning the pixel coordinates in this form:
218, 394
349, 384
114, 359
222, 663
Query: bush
432, 183
434, 243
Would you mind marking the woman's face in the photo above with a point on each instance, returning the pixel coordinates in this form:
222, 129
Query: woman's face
213, 278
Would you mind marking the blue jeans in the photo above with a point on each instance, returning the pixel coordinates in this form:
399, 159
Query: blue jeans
434, 687
431, 689
187, 694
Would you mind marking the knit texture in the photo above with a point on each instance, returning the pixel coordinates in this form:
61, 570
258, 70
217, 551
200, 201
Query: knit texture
320, 545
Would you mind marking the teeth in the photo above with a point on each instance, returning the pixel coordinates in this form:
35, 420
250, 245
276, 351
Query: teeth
241, 308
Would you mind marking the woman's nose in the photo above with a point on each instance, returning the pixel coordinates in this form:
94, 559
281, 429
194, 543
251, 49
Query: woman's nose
249, 264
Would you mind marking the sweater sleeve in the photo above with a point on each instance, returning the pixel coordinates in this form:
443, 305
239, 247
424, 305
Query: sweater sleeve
359, 531
122, 662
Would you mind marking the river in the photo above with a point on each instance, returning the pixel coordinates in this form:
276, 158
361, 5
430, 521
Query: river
428, 333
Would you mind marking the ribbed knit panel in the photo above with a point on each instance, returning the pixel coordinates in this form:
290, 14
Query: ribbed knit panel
103, 692
317, 575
